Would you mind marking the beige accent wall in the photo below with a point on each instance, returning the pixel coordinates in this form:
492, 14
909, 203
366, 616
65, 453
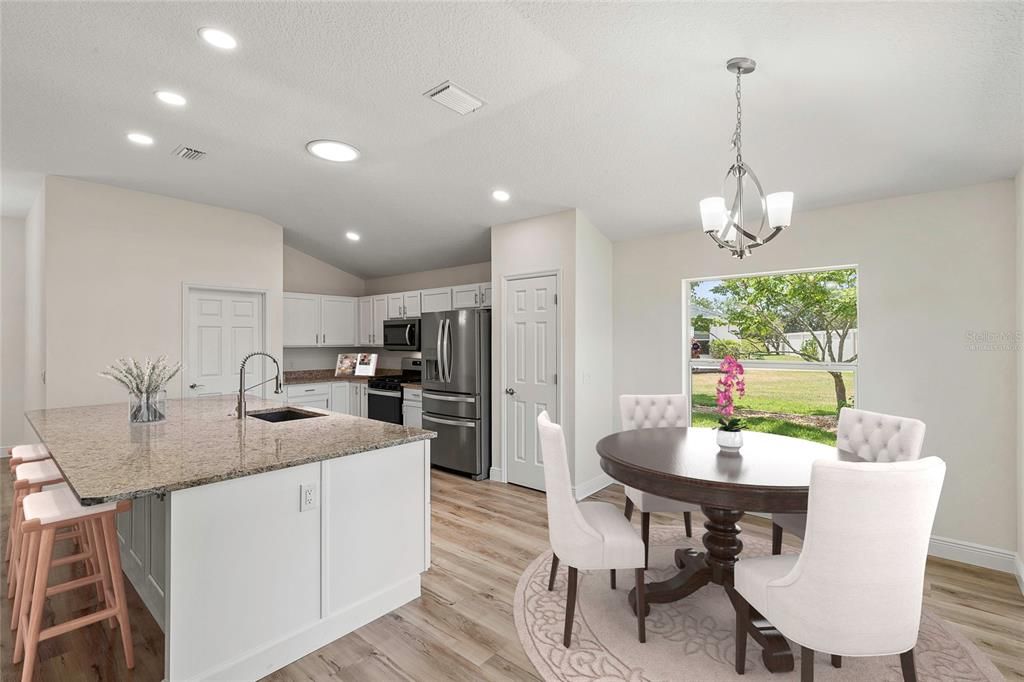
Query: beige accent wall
12, 331
116, 261
933, 268
309, 275
430, 279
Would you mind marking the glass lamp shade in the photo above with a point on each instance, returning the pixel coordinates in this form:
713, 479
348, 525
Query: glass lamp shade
712, 213
780, 209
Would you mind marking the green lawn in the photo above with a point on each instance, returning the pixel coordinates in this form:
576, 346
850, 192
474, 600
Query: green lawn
771, 390
770, 425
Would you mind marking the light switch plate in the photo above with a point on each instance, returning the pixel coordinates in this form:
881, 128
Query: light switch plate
308, 497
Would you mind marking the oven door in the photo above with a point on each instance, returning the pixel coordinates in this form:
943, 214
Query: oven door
402, 335
384, 406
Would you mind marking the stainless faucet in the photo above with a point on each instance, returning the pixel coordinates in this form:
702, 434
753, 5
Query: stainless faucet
241, 381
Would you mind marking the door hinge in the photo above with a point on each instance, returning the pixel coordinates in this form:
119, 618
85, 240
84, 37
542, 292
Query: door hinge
556, 378
556, 299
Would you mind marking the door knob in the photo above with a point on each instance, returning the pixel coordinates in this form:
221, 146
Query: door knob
194, 386
510, 391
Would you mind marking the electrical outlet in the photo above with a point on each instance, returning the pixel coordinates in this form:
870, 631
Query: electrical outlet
308, 497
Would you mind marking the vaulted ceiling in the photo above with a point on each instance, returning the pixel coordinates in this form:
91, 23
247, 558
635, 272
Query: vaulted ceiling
623, 110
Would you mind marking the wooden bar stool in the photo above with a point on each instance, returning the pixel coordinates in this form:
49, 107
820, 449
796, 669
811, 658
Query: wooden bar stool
19, 454
45, 513
28, 478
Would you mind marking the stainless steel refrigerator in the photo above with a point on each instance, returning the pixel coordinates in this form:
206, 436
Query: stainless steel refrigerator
456, 348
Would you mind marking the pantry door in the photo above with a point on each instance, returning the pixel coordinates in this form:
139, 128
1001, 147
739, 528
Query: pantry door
223, 326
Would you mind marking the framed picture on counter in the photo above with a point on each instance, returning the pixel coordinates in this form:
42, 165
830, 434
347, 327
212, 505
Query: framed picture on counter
366, 364
346, 366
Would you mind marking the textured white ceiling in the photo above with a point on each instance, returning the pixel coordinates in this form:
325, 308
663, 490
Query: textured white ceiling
622, 110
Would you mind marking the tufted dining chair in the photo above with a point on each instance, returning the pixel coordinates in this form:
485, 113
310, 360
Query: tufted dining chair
871, 436
646, 412
856, 588
585, 535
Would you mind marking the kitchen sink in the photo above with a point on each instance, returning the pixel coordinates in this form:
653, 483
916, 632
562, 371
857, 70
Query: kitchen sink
283, 414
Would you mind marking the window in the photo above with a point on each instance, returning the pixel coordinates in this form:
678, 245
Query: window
796, 335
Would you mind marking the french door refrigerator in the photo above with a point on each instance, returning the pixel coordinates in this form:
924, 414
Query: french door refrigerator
456, 347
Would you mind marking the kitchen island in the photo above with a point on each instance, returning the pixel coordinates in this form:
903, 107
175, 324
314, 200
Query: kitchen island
252, 542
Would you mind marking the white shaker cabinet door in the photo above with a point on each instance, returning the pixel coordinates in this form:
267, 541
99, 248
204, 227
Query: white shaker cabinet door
341, 400
301, 320
380, 313
411, 304
338, 322
436, 300
366, 321
467, 296
395, 311
485, 295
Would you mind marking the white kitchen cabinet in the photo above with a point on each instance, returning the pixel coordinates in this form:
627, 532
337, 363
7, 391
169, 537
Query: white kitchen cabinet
309, 395
142, 536
357, 398
301, 319
341, 400
338, 321
315, 320
380, 311
372, 311
395, 306
485, 295
466, 296
412, 407
436, 300
411, 304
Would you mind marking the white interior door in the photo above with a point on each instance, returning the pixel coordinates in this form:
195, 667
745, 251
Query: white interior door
223, 327
531, 363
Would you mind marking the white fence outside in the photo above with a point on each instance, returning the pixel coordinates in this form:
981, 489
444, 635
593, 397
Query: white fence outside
796, 339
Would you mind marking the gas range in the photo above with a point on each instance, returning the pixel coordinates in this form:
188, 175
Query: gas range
384, 394
411, 374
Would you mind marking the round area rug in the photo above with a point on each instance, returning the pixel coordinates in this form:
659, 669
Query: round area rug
692, 639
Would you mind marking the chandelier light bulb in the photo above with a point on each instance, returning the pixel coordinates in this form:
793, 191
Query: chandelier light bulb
780, 209
712, 214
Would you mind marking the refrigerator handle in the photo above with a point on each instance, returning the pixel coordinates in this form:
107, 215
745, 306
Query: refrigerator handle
440, 335
448, 349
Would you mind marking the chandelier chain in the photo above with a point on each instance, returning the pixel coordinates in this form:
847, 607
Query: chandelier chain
737, 137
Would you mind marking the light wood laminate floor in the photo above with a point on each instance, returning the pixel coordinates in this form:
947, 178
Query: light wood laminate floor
484, 535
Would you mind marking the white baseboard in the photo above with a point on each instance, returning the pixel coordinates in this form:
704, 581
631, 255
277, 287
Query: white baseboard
974, 554
259, 664
497, 474
1020, 572
588, 488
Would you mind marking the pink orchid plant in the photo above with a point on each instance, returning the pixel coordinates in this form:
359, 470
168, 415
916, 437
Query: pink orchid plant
730, 381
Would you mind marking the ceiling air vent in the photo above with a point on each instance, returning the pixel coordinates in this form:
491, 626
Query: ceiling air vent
188, 153
455, 98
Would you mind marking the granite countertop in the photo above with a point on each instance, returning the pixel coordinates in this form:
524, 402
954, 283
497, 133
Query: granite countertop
316, 376
104, 458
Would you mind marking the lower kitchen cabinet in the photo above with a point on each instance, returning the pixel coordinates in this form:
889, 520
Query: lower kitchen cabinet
309, 395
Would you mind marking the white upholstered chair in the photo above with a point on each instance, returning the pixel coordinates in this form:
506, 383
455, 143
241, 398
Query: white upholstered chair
856, 588
585, 535
645, 412
873, 437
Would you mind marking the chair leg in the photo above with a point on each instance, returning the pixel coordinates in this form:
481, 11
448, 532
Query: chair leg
629, 509
554, 570
570, 607
742, 625
806, 664
688, 522
645, 533
613, 578
907, 663
837, 661
776, 539
641, 606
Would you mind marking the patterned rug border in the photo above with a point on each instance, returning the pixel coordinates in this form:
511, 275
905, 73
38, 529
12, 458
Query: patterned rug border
582, 633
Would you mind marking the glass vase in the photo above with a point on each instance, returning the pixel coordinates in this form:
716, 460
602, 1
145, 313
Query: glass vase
146, 408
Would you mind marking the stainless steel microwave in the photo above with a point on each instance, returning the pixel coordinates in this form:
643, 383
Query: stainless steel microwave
401, 334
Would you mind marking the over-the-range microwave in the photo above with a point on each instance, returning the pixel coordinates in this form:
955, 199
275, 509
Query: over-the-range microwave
401, 334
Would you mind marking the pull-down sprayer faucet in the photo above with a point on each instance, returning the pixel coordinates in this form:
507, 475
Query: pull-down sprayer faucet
241, 380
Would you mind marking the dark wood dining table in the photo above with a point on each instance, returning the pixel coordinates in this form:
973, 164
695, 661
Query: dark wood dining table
770, 473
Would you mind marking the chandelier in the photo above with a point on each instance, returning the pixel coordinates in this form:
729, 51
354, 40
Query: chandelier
726, 224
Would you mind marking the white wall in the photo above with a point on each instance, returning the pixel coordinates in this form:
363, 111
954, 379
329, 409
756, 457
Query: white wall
430, 279
115, 264
1020, 378
35, 304
12, 331
309, 275
933, 268
538, 245
593, 353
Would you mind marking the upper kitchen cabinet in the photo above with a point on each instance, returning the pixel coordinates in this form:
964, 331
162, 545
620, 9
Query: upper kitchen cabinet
404, 305
301, 320
338, 321
373, 310
315, 320
485, 295
466, 296
436, 300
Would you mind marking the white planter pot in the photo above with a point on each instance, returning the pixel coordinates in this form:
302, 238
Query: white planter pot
730, 441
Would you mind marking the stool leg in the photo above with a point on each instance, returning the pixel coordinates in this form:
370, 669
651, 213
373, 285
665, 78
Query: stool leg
31, 554
29, 547
114, 557
101, 554
15, 541
9, 549
35, 621
87, 543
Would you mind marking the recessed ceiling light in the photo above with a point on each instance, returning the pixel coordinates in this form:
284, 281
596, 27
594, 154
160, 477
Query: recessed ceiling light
331, 150
172, 98
501, 195
140, 138
218, 38
352, 236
